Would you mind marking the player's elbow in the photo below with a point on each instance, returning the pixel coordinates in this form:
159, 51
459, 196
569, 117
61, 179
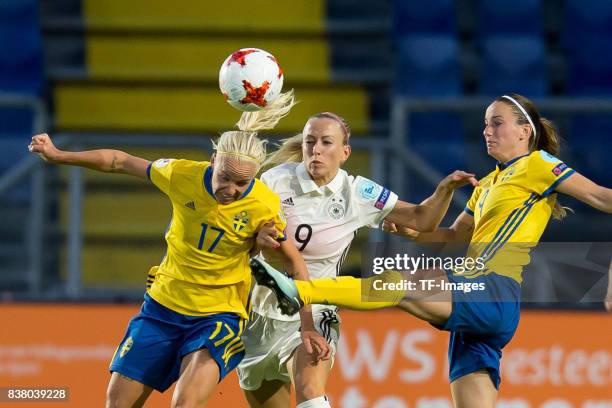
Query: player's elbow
601, 198
425, 219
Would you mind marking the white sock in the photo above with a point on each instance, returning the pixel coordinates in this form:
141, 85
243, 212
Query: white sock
319, 402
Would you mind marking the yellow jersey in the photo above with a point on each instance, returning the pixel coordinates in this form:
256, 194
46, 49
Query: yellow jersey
511, 208
206, 266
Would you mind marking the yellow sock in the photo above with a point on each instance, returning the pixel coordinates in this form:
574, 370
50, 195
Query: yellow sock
352, 293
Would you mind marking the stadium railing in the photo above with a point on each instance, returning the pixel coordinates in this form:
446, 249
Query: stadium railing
21, 170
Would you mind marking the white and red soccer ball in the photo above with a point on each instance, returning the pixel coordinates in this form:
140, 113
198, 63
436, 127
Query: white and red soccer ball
250, 79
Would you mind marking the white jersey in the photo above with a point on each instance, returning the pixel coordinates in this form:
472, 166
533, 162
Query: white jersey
322, 221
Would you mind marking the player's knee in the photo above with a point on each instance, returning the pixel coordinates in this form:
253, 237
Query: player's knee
309, 390
115, 399
183, 401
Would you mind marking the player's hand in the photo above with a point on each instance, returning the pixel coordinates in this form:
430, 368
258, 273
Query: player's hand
608, 302
393, 228
315, 345
44, 147
458, 178
267, 235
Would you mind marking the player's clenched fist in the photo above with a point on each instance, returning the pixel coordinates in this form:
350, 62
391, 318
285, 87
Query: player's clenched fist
45, 148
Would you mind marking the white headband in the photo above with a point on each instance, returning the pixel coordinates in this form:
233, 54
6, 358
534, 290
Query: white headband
524, 112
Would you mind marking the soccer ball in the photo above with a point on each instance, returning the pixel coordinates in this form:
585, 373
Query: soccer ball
250, 79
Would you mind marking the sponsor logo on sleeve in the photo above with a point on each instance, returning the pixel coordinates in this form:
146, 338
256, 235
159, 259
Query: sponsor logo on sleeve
558, 169
382, 199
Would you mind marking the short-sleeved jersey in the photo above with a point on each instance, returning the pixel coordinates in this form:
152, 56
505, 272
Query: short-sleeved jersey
511, 208
322, 220
206, 266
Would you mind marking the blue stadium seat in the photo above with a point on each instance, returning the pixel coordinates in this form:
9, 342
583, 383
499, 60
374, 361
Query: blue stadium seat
419, 17
21, 58
428, 65
514, 64
589, 144
16, 121
590, 67
438, 138
584, 21
16, 127
12, 150
586, 38
509, 17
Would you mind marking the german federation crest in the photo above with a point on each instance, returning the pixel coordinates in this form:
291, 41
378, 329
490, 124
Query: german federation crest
336, 208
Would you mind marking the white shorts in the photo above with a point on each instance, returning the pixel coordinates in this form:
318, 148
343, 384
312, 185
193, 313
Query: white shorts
270, 343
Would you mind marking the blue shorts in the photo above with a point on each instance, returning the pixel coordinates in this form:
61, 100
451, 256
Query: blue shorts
158, 338
481, 324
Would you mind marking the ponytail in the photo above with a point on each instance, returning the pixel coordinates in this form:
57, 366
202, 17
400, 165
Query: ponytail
290, 151
243, 144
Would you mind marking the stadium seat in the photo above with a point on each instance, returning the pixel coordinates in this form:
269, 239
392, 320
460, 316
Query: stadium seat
12, 150
419, 17
15, 131
585, 37
16, 121
428, 65
509, 17
582, 23
589, 66
589, 145
514, 64
21, 61
438, 138
170, 108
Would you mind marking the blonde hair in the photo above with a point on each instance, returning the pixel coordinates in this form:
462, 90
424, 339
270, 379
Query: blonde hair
290, 150
243, 144
546, 137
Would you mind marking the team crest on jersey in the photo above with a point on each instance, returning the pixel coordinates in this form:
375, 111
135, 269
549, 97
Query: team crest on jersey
508, 175
336, 208
241, 220
368, 189
126, 347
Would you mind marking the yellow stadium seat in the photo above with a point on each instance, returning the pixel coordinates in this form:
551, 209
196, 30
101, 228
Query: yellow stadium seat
175, 58
121, 215
197, 15
117, 265
190, 109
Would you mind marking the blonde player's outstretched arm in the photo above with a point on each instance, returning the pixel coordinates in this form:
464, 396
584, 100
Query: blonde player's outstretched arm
105, 160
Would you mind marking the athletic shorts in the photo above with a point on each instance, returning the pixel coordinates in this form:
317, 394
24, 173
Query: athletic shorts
481, 324
270, 343
158, 338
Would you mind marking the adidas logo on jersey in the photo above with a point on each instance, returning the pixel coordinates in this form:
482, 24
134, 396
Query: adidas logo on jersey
288, 201
190, 204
